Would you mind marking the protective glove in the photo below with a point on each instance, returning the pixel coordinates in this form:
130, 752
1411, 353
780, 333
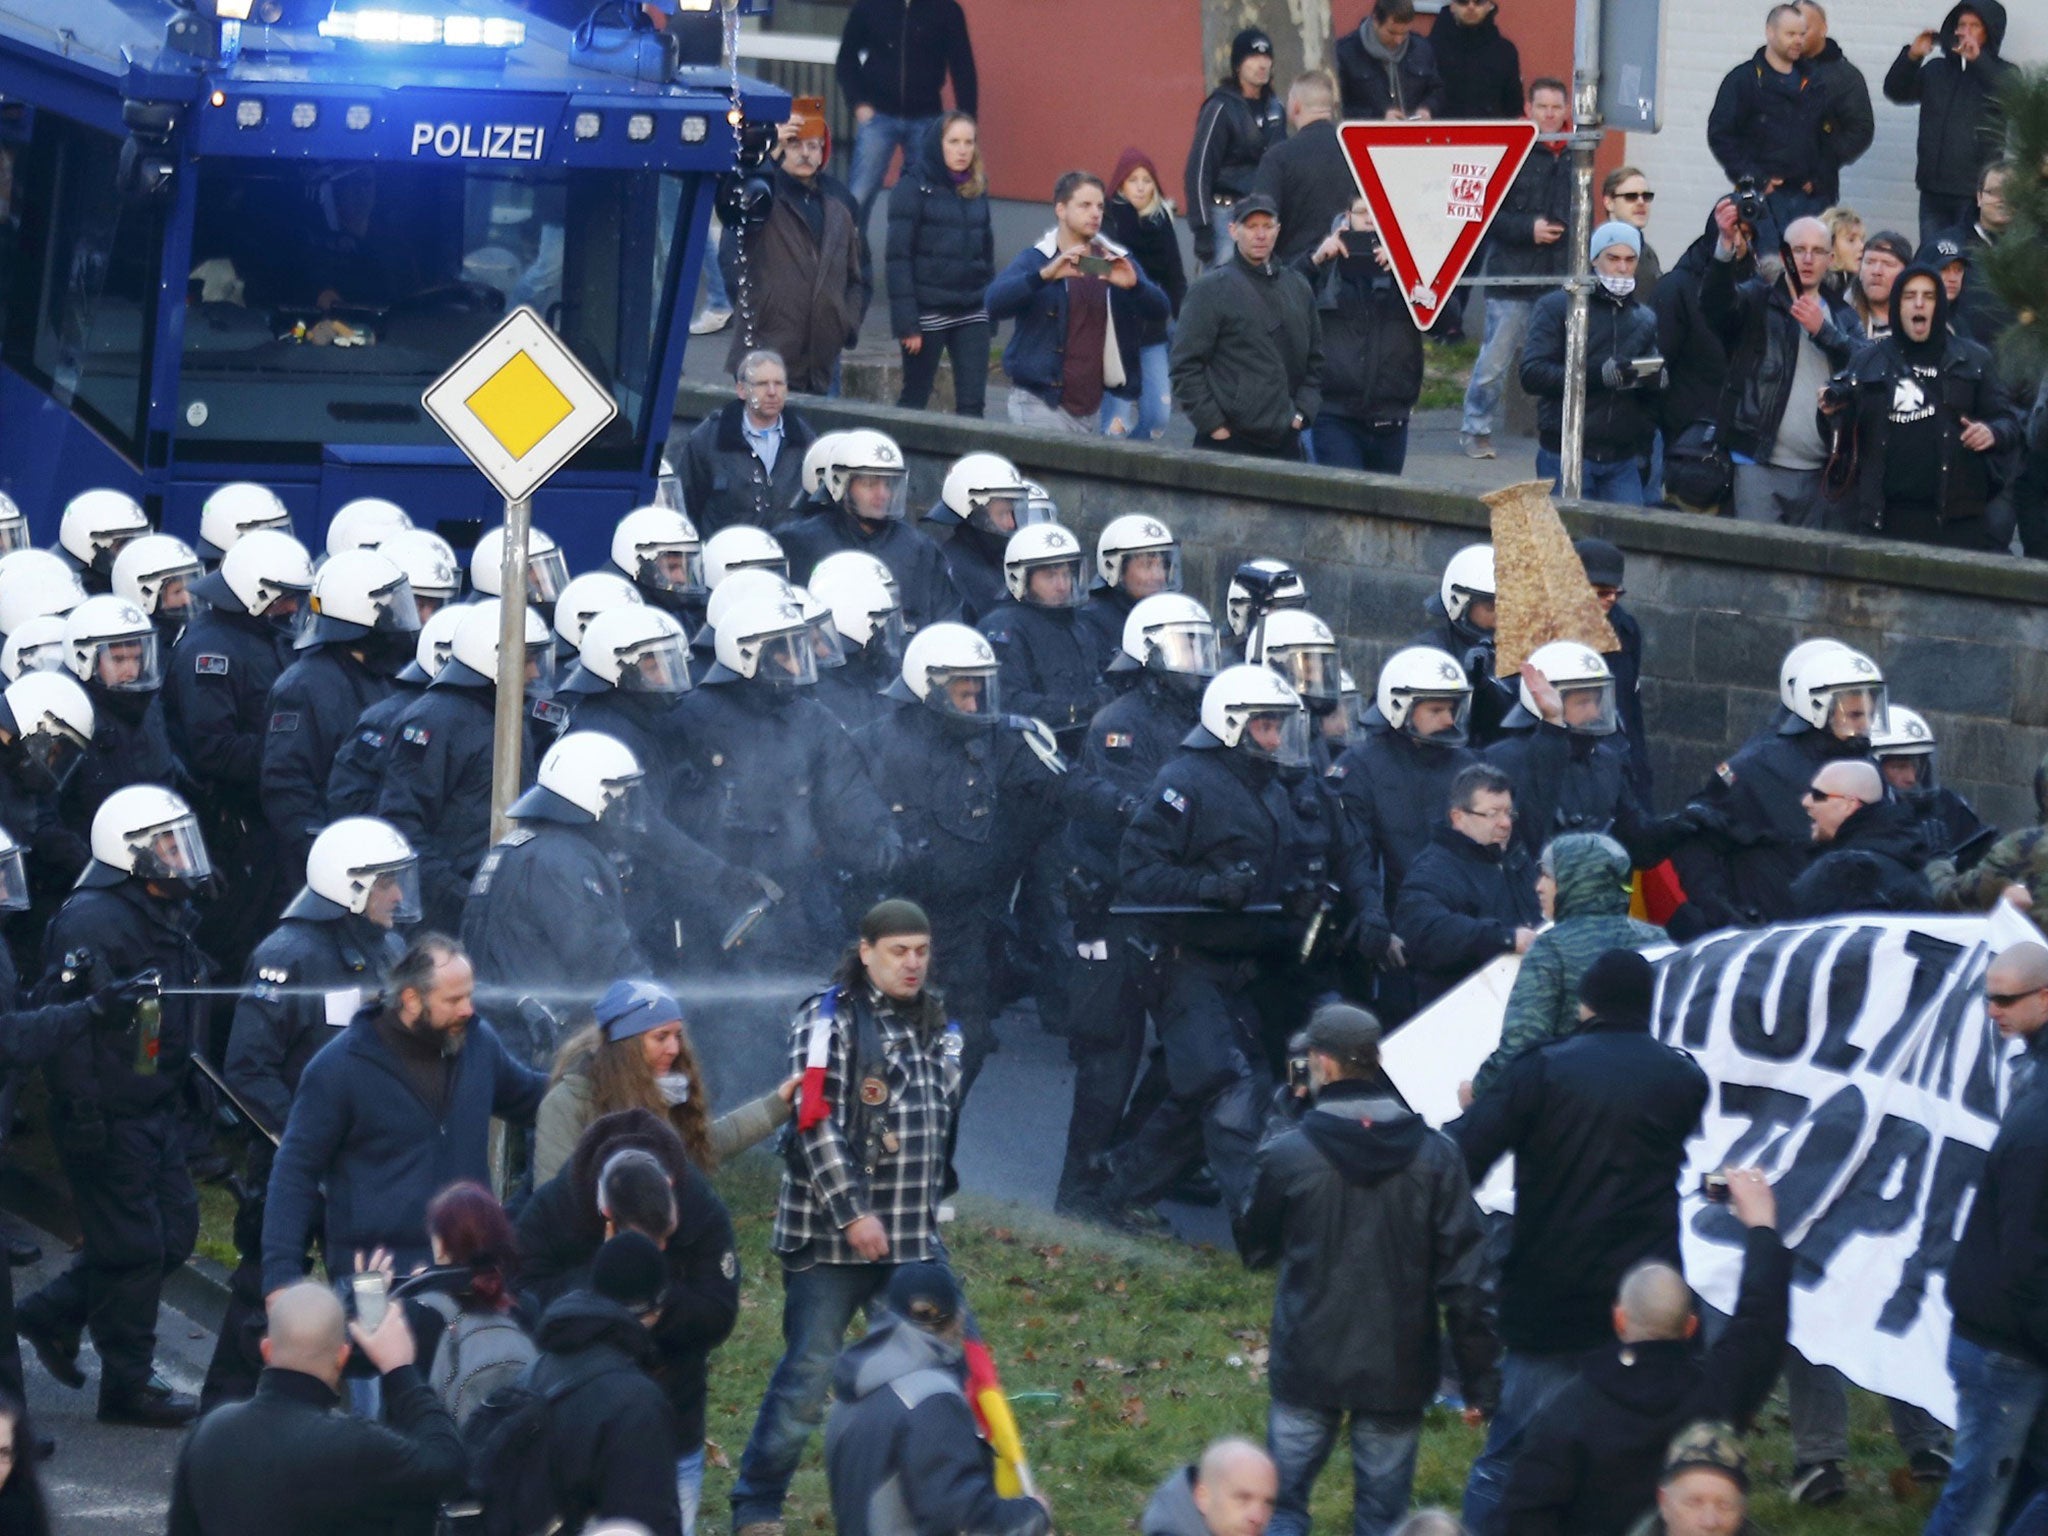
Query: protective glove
1232, 888
113, 1006
1613, 375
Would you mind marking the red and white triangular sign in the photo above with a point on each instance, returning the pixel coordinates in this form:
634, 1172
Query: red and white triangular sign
1434, 188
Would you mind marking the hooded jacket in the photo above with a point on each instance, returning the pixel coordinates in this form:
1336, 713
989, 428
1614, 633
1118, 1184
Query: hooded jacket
1373, 82
1593, 1457
895, 55
1619, 422
1368, 1215
1035, 358
1873, 863
1957, 379
1754, 321
941, 251
1372, 353
1249, 352
1171, 1511
1767, 126
1460, 907
612, 1444
901, 1452
1591, 908
1961, 123
1481, 68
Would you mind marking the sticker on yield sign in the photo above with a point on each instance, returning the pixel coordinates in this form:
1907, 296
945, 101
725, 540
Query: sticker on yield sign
519, 404
1434, 188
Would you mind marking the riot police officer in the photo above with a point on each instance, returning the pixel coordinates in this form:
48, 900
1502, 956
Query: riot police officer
984, 500
1216, 845
35, 645
1301, 648
46, 725
363, 628
657, 549
867, 480
304, 982
358, 774
868, 617
1906, 752
92, 530
547, 569
114, 1103
14, 529
742, 547
1257, 588
36, 584
1462, 619
430, 567
1136, 557
233, 511
114, 651
1754, 835
437, 782
364, 523
1050, 669
155, 573
583, 599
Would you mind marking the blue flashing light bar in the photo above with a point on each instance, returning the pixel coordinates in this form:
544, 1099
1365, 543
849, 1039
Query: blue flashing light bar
413, 27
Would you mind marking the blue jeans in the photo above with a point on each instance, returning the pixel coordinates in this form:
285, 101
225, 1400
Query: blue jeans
1500, 349
1382, 1466
2000, 1426
1144, 418
715, 296
690, 1487
1527, 1383
1621, 483
875, 143
1342, 443
817, 1306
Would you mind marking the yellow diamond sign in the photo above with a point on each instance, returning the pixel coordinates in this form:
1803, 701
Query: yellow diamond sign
519, 404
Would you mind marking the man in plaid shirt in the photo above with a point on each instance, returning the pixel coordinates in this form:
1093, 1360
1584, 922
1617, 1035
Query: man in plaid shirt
868, 1166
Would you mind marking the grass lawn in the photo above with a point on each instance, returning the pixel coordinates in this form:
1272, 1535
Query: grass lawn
1445, 372
1143, 1352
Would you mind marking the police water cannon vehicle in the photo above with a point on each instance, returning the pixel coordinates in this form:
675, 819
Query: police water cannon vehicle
238, 239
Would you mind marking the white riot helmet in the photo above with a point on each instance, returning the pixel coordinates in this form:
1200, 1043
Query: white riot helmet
95, 526
1841, 690
547, 568
1788, 669
147, 832
1300, 647
866, 605
155, 573
34, 582
360, 865
34, 645
635, 650
1584, 681
586, 779
52, 721
816, 457
235, 510
1137, 551
1039, 506
365, 523
14, 532
584, 598
658, 549
951, 669
826, 647
1468, 576
1262, 586
742, 547
1251, 709
430, 566
764, 638
14, 895
259, 568
110, 643
738, 588
358, 594
473, 653
866, 475
985, 491
1046, 548
1423, 674
1172, 637
436, 642
1906, 741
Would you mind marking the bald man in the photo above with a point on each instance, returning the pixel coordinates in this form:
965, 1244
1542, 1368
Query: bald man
1784, 349
1229, 1492
289, 1460
1998, 1281
1870, 852
1591, 1464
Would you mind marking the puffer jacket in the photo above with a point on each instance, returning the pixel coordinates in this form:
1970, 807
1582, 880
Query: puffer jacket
941, 251
1754, 320
1372, 353
1962, 126
1619, 422
1369, 1217
1591, 917
1874, 863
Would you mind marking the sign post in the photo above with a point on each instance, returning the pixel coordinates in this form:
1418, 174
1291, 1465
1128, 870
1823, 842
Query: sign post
520, 405
1585, 140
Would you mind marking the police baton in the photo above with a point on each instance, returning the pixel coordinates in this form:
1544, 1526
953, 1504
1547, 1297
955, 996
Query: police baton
235, 1100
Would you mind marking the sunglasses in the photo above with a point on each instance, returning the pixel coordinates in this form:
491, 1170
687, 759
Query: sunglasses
1818, 795
1635, 197
2008, 999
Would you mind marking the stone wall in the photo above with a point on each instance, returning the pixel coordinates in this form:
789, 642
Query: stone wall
1962, 638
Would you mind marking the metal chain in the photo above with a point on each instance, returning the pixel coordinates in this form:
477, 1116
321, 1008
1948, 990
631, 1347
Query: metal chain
744, 297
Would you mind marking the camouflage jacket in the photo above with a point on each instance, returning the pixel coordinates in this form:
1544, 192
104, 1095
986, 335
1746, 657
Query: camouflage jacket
2018, 857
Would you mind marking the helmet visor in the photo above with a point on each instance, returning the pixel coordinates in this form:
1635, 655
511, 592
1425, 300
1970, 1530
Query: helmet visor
625, 804
1001, 509
13, 882
1313, 670
46, 656
128, 663
779, 564
171, 851
825, 642
1589, 707
52, 745
875, 495
540, 669
672, 568
393, 897
1908, 772
885, 634
1144, 573
788, 660
1857, 710
13, 535
1059, 582
547, 572
656, 666
1279, 735
1038, 507
1441, 719
965, 694
170, 592
1188, 650
396, 612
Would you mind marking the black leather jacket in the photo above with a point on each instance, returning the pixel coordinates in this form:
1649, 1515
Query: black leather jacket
1755, 321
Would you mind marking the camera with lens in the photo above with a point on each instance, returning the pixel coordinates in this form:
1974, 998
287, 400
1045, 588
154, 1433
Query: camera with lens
1749, 203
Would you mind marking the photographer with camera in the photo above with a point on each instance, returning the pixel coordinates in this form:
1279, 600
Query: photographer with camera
1369, 1218
1624, 373
1372, 353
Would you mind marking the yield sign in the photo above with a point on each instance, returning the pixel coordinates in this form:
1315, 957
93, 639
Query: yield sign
1434, 188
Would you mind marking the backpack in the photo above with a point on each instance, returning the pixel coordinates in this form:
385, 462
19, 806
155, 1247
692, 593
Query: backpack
512, 1483
479, 1352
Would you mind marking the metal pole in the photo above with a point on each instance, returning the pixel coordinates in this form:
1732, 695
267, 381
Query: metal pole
1586, 122
509, 717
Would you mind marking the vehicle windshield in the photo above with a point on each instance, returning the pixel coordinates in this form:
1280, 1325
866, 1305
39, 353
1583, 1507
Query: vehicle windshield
325, 296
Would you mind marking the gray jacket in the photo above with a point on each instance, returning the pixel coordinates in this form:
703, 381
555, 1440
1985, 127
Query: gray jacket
1248, 354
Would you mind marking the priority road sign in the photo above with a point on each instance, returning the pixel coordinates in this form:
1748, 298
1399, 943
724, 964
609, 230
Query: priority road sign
1434, 188
519, 404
